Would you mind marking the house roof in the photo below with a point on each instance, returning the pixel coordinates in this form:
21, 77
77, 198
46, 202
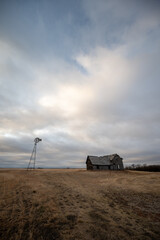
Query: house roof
102, 160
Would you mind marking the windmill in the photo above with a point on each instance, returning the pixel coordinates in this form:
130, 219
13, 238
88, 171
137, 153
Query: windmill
32, 161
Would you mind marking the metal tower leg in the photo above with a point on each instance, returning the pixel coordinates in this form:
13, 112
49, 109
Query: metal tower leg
31, 157
34, 159
33, 154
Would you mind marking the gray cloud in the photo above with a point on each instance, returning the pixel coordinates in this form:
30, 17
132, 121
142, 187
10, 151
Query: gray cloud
83, 77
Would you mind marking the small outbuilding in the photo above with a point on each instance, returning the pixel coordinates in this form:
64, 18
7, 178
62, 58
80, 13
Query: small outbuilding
108, 162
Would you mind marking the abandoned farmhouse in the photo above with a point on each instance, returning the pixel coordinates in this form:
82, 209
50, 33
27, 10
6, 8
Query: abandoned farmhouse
108, 162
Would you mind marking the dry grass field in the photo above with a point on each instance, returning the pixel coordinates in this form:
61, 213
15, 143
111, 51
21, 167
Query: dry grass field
78, 204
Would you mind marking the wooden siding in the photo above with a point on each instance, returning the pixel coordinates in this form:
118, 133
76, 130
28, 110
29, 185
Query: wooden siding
89, 165
115, 163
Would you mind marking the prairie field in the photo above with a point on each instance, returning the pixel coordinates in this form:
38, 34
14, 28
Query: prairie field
70, 204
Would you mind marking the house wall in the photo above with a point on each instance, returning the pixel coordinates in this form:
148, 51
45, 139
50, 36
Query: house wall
89, 165
120, 164
114, 167
104, 167
95, 167
116, 164
99, 167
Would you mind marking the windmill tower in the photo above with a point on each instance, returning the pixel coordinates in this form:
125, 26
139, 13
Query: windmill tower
32, 161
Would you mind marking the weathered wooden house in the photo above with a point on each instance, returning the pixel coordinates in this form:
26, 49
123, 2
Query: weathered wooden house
108, 162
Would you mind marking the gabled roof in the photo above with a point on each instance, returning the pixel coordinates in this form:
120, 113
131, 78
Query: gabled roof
102, 160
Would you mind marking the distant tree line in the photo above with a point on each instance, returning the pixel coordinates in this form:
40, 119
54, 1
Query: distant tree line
144, 167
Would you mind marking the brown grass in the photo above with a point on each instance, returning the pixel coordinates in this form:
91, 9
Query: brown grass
79, 204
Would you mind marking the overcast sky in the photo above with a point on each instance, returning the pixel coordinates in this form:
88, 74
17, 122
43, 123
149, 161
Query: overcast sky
82, 75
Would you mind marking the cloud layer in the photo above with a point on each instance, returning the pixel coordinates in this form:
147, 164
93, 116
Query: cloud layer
84, 77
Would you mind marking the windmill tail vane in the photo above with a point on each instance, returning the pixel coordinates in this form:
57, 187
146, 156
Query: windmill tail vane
32, 161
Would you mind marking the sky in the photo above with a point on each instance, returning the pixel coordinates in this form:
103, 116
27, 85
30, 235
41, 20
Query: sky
83, 75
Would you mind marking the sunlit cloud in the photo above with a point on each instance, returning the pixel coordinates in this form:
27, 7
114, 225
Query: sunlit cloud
68, 99
110, 72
